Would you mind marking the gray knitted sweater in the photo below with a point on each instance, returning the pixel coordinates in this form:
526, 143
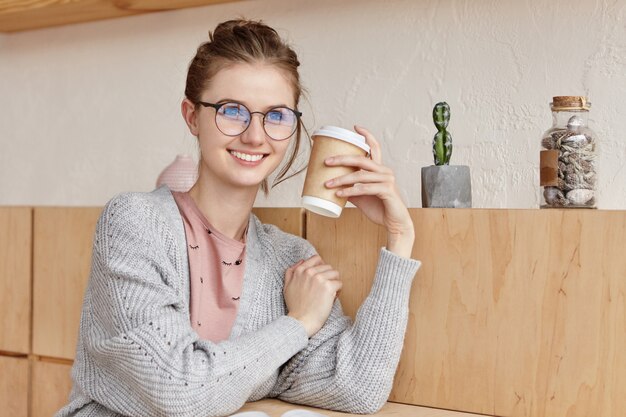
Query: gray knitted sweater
137, 354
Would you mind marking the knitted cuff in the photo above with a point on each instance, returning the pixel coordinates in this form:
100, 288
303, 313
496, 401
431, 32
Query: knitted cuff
394, 275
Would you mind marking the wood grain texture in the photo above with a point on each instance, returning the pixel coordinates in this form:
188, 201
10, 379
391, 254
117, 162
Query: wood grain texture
16, 15
156, 5
15, 278
351, 244
13, 386
275, 408
62, 259
290, 220
51, 385
513, 313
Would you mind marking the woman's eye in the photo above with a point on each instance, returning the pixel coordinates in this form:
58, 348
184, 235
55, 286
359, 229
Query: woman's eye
274, 116
231, 111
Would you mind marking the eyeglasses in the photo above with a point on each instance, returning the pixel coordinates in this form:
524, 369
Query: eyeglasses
232, 119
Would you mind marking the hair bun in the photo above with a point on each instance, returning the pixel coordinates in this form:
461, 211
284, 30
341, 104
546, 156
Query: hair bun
243, 28
240, 40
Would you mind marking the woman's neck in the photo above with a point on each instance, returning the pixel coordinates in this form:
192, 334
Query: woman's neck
226, 208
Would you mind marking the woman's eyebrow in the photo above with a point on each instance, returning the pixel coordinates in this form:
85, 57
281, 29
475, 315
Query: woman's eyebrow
232, 100
229, 100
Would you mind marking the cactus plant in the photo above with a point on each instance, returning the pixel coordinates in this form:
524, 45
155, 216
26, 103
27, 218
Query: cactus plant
442, 142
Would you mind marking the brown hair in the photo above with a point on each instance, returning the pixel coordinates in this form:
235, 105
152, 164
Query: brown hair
247, 41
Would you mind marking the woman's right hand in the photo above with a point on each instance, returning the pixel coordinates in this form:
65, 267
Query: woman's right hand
311, 287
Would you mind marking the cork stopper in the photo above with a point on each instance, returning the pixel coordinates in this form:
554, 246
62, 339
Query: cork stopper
570, 103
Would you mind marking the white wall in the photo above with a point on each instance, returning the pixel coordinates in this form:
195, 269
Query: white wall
90, 110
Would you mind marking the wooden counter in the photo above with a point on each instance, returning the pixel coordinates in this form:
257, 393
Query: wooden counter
514, 313
275, 408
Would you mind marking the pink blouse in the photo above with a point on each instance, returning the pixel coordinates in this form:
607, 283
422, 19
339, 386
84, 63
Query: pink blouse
216, 266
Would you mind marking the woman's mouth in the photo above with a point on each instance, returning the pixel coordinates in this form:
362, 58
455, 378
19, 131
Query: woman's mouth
246, 157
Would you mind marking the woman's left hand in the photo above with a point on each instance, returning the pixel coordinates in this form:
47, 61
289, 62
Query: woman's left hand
372, 188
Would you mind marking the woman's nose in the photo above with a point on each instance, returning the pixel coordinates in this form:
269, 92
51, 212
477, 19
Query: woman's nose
255, 133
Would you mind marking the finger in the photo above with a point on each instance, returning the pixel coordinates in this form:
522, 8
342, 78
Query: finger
294, 266
334, 285
375, 149
383, 191
362, 177
357, 161
297, 264
328, 275
312, 261
318, 269
289, 272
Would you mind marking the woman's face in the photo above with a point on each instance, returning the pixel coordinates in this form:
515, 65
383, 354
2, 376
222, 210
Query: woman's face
259, 87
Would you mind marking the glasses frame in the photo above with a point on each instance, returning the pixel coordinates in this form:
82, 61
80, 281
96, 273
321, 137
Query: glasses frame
217, 107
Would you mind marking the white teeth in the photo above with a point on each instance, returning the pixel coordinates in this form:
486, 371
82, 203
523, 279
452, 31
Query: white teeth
246, 157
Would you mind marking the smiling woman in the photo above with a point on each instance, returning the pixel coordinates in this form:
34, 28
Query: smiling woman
194, 306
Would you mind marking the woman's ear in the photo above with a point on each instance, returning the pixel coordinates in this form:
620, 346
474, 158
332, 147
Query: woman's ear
190, 114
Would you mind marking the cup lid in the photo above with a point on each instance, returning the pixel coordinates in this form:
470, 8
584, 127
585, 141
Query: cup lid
345, 135
321, 206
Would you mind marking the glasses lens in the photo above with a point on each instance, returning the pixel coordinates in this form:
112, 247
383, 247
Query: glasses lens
280, 123
232, 118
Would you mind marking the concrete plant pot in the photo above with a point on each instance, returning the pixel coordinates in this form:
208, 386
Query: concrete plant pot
447, 186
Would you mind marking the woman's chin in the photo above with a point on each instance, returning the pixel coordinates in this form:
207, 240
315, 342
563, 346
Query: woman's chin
247, 183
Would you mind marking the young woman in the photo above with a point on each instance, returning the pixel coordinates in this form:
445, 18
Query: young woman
194, 307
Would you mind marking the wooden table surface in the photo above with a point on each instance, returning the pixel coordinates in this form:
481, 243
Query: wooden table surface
275, 408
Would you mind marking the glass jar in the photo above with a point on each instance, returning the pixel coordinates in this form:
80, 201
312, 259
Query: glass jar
568, 156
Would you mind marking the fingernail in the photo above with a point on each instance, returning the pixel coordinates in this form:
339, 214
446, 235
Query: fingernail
330, 160
340, 193
330, 182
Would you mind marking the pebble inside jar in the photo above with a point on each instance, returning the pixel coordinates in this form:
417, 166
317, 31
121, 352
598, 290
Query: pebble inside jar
568, 157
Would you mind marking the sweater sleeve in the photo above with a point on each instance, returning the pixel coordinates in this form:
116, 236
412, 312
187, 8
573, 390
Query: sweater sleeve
137, 353
350, 367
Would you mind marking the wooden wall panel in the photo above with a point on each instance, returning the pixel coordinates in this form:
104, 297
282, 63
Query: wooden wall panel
158, 5
350, 244
513, 313
18, 15
15, 278
51, 386
62, 259
290, 220
13, 386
